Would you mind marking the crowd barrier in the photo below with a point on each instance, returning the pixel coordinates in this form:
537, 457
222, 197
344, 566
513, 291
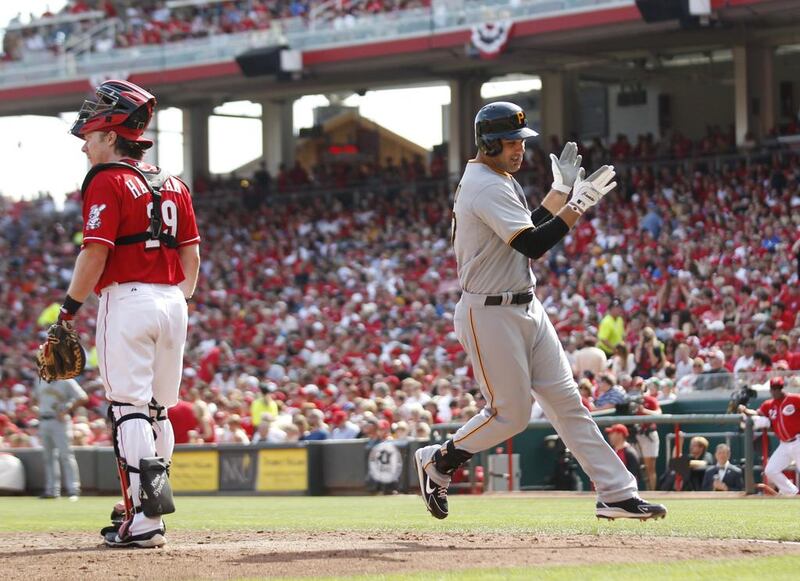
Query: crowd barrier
335, 467
338, 467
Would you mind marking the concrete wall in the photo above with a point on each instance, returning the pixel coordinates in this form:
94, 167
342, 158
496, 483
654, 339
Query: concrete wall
787, 70
693, 105
632, 120
696, 105
334, 467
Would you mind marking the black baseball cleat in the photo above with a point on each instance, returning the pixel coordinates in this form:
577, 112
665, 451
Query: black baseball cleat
434, 496
631, 508
148, 540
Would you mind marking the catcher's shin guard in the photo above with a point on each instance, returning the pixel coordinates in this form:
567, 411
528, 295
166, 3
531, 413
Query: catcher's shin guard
155, 492
133, 439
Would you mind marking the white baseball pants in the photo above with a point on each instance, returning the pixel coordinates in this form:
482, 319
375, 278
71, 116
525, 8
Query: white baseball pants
141, 333
781, 458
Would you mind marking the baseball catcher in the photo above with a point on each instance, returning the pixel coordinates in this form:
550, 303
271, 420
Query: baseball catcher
140, 256
61, 356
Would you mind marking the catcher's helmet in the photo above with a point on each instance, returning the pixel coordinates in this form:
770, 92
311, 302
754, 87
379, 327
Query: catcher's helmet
121, 107
501, 120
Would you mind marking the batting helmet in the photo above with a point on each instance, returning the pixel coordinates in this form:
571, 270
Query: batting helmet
121, 107
497, 121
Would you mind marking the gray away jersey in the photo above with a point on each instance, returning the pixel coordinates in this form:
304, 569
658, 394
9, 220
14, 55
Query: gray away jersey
56, 397
490, 210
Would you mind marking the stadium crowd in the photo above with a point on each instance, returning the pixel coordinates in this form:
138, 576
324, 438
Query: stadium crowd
148, 22
330, 316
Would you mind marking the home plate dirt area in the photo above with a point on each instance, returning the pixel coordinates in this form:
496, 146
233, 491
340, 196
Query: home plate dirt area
227, 555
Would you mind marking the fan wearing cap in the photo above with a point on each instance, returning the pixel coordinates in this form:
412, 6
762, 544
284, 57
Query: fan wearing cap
618, 439
140, 256
783, 412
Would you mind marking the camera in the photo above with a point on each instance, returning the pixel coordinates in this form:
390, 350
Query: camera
630, 406
740, 397
565, 476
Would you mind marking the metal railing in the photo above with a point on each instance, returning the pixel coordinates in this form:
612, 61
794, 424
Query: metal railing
441, 430
444, 16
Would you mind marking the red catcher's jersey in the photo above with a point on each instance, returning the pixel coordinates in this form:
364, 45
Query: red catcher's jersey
784, 415
117, 203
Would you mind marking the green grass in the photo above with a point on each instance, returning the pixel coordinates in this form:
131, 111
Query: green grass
773, 519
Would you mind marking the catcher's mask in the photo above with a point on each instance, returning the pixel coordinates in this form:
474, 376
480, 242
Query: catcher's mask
121, 107
498, 121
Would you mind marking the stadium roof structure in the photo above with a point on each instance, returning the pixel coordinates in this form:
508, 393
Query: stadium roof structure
606, 39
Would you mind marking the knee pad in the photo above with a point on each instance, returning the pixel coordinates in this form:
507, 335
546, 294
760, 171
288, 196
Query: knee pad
155, 492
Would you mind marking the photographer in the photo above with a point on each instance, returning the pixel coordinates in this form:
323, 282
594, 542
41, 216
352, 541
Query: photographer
618, 435
648, 354
647, 438
782, 412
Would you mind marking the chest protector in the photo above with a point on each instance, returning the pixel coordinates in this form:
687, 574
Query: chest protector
153, 237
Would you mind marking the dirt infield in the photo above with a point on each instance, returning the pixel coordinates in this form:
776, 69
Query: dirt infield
269, 554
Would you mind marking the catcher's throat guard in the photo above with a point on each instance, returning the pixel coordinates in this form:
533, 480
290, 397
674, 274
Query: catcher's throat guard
155, 492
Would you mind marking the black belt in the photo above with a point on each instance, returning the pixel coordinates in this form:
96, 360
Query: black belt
517, 299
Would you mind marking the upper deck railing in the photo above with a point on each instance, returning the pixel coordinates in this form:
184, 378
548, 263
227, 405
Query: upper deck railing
443, 16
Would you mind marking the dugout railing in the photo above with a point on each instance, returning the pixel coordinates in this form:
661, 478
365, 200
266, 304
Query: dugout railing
743, 430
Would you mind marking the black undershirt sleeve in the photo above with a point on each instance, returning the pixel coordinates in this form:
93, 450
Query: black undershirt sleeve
540, 215
534, 242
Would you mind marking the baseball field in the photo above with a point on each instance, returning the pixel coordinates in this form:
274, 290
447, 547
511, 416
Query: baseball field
523, 536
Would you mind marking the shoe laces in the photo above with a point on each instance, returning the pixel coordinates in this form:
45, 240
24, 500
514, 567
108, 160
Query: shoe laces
441, 492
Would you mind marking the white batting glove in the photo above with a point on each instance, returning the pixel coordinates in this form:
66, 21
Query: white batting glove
565, 168
589, 191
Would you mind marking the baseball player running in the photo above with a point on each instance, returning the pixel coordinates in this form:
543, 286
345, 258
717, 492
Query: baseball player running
783, 412
501, 324
140, 256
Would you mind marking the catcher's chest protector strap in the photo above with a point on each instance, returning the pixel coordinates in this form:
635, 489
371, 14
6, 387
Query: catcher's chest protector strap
153, 236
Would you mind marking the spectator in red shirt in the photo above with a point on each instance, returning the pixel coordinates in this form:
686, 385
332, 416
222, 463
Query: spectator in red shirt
183, 420
618, 435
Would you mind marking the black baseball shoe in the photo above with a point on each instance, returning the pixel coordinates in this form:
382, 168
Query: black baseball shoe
631, 508
434, 496
148, 540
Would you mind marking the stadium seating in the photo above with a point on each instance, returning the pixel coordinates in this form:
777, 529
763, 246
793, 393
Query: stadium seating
340, 291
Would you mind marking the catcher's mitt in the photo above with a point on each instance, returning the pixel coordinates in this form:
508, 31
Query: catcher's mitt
61, 356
